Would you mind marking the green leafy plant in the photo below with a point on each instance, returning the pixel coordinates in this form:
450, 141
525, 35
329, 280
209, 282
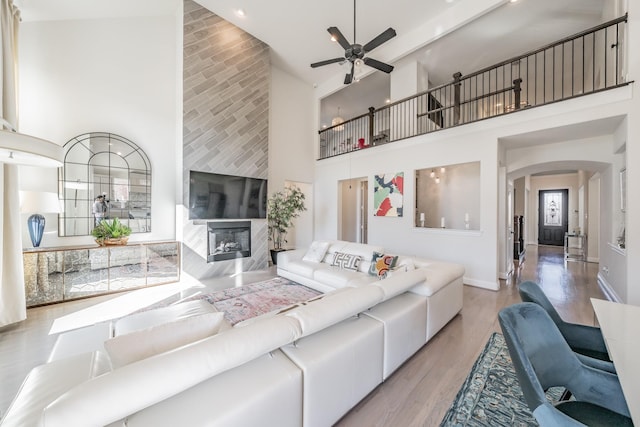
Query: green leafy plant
113, 229
282, 207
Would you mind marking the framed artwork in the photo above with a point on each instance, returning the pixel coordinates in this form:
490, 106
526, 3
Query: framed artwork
623, 189
387, 194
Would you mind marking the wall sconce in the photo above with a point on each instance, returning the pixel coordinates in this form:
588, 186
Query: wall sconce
437, 180
37, 203
432, 174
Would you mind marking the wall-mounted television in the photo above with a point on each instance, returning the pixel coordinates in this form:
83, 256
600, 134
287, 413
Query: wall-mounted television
218, 196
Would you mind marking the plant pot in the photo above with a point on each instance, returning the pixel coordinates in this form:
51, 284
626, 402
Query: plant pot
274, 255
120, 241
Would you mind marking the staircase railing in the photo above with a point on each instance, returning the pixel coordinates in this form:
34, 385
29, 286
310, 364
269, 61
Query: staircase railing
588, 62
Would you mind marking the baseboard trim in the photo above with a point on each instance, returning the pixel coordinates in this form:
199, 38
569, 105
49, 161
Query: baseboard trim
607, 289
593, 259
481, 284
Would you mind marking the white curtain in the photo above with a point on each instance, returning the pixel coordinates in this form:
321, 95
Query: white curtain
12, 294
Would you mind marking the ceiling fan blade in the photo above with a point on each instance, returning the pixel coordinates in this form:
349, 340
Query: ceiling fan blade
327, 62
336, 34
378, 65
349, 77
386, 35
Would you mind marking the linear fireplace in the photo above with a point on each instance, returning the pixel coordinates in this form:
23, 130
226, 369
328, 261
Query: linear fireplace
228, 240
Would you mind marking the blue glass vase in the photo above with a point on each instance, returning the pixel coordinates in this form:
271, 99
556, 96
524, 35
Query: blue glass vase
35, 223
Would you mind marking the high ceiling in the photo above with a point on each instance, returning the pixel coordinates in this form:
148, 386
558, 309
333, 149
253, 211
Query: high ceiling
444, 36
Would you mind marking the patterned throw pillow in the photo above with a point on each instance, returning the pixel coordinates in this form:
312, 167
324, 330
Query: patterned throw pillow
347, 261
381, 264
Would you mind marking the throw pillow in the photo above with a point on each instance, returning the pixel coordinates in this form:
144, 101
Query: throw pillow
138, 345
316, 251
381, 264
346, 261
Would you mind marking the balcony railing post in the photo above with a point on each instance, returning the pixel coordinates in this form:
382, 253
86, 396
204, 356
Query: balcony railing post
516, 92
372, 110
456, 97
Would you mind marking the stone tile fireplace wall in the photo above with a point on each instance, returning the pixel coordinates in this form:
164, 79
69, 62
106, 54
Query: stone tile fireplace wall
226, 83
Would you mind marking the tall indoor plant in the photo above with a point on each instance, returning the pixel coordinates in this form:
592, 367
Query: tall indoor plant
282, 207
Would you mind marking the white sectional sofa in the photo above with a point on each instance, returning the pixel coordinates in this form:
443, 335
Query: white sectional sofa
305, 365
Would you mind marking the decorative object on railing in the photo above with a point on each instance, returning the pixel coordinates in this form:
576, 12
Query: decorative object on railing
588, 62
355, 53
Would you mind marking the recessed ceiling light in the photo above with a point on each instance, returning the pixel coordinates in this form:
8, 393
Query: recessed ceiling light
241, 13
334, 39
512, 1
449, 1
388, 101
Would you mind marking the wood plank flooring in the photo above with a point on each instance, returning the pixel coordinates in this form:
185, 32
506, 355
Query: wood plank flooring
419, 392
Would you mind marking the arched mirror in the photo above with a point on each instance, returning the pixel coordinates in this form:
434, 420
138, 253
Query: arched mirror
104, 164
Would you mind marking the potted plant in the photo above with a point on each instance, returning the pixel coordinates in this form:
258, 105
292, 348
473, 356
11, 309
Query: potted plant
282, 207
111, 232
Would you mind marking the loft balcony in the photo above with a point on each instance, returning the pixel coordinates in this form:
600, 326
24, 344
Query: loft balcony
588, 62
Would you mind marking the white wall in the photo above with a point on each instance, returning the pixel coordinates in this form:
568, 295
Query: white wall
109, 75
291, 153
477, 250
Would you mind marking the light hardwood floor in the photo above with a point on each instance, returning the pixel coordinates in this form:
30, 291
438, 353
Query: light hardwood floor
418, 393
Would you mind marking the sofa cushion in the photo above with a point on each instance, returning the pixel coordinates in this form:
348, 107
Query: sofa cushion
438, 275
316, 251
334, 246
303, 268
138, 345
333, 308
400, 282
146, 382
362, 280
381, 264
364, 251
346, 261
405, 263
335, 277
158, 316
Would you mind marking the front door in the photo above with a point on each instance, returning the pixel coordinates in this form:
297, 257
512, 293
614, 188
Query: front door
553, 219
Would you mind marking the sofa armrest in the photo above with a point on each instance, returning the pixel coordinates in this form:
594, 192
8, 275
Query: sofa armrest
285, 257
438, 275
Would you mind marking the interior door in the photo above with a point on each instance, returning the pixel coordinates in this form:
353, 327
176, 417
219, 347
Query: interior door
553, 219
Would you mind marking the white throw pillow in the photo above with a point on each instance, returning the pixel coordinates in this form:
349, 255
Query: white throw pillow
316, 251
138, 345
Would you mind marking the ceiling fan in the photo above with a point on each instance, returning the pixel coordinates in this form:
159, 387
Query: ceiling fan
355, 53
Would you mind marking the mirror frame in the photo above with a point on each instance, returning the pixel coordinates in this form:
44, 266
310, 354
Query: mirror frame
97, 163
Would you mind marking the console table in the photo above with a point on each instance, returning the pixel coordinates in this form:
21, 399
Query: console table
65, 273
575, 247
619, 325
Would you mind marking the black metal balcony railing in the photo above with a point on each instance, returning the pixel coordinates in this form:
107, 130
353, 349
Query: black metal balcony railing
585, 63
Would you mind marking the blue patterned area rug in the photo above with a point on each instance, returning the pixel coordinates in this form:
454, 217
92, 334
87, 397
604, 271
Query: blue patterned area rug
491, 395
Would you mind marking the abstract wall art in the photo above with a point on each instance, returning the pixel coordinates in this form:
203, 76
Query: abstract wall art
387, 194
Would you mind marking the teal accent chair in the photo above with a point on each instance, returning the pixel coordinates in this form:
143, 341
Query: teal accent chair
543, 359
586, 341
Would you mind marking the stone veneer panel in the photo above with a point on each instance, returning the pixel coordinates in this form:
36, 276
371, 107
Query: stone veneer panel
226, 79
